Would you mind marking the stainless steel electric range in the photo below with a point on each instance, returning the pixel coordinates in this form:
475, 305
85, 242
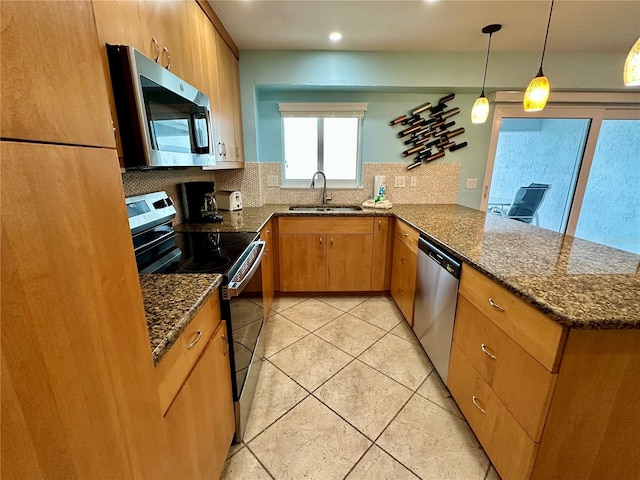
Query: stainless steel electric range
159, 249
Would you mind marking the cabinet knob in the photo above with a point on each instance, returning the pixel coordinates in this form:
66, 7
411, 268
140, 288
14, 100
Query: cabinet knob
331, 241
495, 305
402, 260
405, 234
487, 352
379, 225
320, 240
474, 399
400, 291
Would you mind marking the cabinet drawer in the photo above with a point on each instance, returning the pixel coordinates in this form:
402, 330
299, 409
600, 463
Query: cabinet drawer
306, 225
408, 235
537, 334
509, 447
522, 384
173, 369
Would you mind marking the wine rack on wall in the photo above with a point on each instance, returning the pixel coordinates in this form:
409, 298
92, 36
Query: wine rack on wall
428, 133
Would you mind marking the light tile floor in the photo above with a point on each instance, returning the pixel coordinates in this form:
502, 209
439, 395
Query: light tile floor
346, 392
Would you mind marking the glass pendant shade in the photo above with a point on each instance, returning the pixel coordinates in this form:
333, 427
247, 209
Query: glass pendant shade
480, 110
537, 93
632, 66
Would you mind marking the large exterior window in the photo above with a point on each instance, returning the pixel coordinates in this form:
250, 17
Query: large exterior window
322, 136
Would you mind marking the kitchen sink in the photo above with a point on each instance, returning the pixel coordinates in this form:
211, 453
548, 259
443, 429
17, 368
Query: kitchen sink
325, 208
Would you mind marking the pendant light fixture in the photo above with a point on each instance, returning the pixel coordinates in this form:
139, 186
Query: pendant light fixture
480, 110
632, 66
537, 93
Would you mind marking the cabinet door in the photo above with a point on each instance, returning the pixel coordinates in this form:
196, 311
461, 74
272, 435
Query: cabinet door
403, 278
382, 253
349, 262
54, 87
224, 112
77, 373
268, 265
302, 263
200, 422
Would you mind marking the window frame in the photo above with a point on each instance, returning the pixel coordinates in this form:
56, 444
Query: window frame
320, 111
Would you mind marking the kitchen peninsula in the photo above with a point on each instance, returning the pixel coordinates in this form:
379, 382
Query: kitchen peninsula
577, 321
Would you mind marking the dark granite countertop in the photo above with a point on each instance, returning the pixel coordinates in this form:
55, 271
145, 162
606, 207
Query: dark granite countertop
579, 284
170, 303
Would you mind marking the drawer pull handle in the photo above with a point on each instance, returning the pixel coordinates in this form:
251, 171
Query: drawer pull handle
226, 345
405, 234
402, 260
487, 352
495, 305
474, 399
196, 340
331, 240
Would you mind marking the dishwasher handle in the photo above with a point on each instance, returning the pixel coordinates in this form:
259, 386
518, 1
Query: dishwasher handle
446, 261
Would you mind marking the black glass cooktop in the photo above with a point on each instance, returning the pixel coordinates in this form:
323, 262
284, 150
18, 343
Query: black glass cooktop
207, 252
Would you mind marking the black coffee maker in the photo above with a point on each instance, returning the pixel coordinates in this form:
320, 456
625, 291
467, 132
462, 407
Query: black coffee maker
199, 202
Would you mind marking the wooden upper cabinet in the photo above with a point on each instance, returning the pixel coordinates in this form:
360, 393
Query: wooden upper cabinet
54, 87
228, 145
160, 30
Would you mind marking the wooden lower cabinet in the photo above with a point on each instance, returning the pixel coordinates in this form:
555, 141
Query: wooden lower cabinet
545, 401
349, 262
336, 256
200, 422
505, 441
403, 277
302, 263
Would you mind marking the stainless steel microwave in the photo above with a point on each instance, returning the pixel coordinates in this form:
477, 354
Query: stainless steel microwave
163, 121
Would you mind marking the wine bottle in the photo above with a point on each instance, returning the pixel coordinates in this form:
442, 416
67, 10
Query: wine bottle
411, 151
457, 147
415, 164
395, 121
446, 99
450, 113
421, 108
407, 131
436, 156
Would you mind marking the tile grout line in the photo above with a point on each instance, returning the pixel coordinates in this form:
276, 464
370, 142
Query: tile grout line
261, 464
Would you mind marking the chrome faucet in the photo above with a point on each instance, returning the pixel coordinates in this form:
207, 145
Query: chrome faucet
324, 185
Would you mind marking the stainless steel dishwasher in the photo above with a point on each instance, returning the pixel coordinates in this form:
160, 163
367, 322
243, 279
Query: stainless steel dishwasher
435, 303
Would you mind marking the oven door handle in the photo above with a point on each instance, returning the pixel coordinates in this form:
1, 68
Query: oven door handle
235, 288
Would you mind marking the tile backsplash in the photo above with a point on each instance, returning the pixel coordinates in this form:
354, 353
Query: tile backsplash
139, 182
435, 183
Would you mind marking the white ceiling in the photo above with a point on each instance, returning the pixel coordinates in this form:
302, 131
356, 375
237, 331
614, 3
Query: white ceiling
585, 26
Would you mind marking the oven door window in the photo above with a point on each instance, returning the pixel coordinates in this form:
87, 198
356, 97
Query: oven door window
175, 124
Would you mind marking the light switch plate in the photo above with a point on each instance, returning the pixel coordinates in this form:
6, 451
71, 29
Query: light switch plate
414, 181
400, 181
472, 183
272, 180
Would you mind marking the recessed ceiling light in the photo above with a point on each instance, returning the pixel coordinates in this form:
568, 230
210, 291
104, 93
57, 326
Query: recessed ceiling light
335, 36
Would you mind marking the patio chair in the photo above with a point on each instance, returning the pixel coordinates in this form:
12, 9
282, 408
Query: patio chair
526, 203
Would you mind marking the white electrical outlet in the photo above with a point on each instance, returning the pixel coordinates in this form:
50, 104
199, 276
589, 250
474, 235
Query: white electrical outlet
414, 181
472, 183
400, 181
272, 180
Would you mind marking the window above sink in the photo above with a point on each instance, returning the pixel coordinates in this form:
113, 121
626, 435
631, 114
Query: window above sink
322, 136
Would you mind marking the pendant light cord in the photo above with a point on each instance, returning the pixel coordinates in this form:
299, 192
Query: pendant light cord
546, 35
486, 64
